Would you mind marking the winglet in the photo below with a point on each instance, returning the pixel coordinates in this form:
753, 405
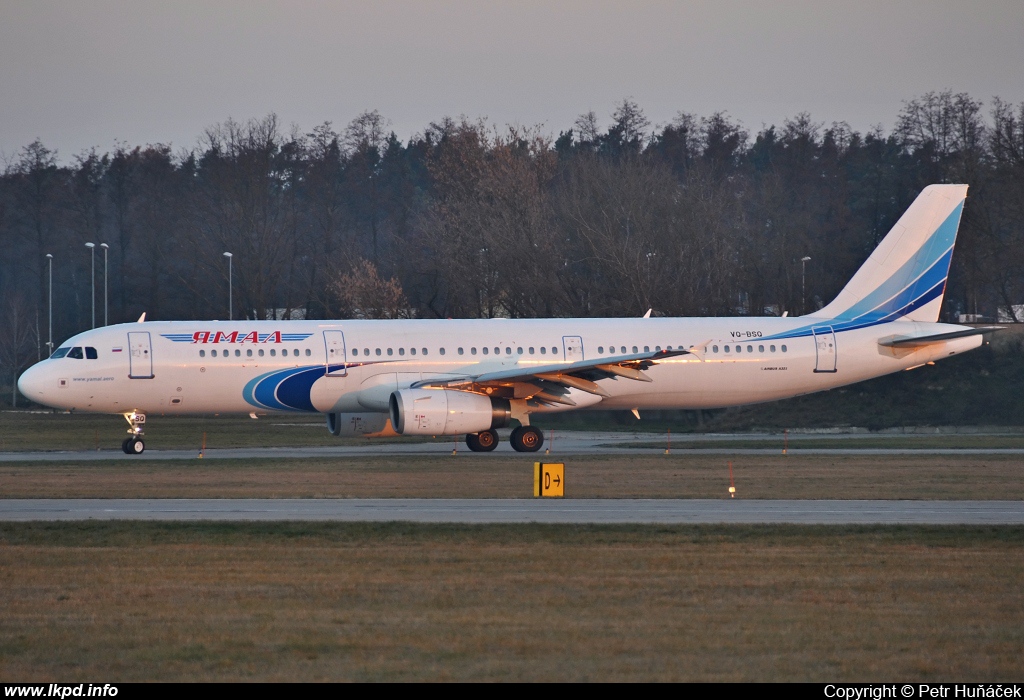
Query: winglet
142, 318
648, 314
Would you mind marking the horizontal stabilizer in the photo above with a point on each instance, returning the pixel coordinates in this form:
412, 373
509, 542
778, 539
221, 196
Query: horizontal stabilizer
903, 341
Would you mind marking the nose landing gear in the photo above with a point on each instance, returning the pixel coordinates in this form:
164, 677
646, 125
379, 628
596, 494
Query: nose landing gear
133, 444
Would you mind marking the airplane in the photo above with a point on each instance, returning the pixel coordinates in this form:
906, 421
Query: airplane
471, 376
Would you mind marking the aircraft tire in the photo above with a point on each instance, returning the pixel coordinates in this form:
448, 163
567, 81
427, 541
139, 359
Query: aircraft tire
124, 446
527, 438
136, 446
484, 441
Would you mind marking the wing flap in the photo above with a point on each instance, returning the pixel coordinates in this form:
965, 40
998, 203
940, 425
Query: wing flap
565, 374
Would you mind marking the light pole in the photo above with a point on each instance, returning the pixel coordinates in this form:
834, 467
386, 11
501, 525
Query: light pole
106, 318
92, 250
231, 304
49, 344
803, 284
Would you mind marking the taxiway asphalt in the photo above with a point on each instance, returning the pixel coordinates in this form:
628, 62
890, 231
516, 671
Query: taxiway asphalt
564, 511
566, 443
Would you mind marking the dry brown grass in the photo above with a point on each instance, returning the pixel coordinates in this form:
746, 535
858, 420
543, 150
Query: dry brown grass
493, 476
144, 601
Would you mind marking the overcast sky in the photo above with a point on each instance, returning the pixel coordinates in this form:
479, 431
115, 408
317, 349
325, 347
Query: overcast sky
80, 74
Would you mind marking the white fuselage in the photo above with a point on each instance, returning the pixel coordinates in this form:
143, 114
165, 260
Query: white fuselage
354, 366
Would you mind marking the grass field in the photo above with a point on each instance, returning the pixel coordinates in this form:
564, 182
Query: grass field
147, 601
469, 475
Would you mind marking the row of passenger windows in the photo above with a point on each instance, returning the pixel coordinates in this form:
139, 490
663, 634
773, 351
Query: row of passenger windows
365, 352
259, 353
75, 353
750, 348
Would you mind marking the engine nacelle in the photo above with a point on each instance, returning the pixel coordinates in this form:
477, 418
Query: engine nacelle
359, 425
442, 412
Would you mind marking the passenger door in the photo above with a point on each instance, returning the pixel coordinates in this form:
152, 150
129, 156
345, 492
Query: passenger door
824, 349
140, 355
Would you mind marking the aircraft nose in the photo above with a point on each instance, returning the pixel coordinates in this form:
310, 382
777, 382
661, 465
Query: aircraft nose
31, 384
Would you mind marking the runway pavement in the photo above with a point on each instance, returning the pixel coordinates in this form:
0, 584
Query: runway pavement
564, 444
567, 511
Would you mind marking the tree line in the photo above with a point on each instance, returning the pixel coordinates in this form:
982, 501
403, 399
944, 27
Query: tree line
469, 219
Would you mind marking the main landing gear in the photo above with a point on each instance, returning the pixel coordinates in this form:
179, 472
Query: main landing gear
525, 438
484, 441
133, 444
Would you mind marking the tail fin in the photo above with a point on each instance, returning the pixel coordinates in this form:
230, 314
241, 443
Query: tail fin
906, 275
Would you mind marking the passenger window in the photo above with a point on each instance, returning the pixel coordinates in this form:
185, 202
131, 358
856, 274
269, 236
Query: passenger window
355, 351
441, 350
544, 351
554, 351
600, 349
390, 351
238, 353
273, 352
497, 351
260, 352
248, 353
760, 348
623, 349
739, 348
727, 348
378, 352
461, 351
213, 353
424, 351
771, 348
308, 352
657, 348
783, 348
750, 348
486, 351
76, 353
647, 348
714, 348
531, 351
519, 350
472, 351
202, 353
401, 351
634, 350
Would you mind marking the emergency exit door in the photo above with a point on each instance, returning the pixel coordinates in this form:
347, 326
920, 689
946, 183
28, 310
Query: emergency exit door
573, 347
335, 359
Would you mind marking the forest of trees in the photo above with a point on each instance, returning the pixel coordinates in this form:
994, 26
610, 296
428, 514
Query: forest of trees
695, 217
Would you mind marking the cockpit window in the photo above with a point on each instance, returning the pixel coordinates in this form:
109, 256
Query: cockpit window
76, 353
90, 354
59, 353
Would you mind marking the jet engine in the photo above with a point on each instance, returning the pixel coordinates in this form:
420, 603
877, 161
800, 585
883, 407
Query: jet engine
443, 412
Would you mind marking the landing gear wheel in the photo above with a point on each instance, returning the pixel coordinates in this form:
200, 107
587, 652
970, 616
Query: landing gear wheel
484, 441
526, 438
135, 446
124, 446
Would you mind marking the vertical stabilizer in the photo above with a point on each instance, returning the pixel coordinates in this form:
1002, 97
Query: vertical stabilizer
906, 275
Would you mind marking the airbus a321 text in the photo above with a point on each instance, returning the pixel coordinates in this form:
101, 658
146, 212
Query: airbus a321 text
455, 377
